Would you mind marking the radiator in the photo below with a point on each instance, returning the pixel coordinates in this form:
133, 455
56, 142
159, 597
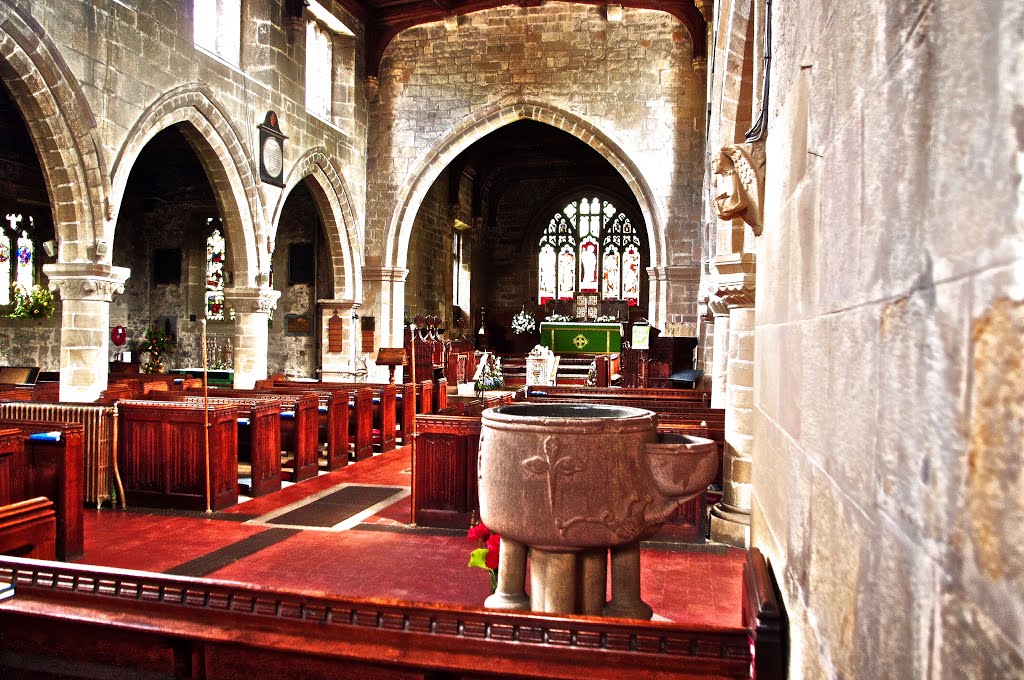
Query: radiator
99, 423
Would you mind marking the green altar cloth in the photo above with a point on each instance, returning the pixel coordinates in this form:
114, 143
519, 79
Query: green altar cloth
581, 337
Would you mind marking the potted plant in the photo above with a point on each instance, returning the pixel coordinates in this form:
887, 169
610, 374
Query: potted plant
34, 303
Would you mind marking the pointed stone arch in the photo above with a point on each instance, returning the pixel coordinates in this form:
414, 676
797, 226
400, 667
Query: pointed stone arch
487, 120
62, 128
223, 153
334, 202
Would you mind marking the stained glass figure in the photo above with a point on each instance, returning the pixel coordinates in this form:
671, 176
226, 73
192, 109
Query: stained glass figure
25, 259
612, 275
215, 260
588, 265
566, 273
5, 269
631, 275
548, 262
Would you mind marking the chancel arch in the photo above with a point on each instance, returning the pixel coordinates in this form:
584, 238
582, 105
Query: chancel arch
473, 129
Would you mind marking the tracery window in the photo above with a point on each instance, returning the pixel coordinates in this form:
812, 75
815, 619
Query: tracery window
19, 261
217, 28
215, 261
589, 246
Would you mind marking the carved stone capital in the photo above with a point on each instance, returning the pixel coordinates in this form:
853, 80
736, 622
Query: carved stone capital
370, 87
252, 300
675, 274
385, 274
736, 295
717, 306
86, 280
738, 188
339, 305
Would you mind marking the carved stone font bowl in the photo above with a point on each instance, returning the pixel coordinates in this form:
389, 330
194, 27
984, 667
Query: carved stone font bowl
568, 477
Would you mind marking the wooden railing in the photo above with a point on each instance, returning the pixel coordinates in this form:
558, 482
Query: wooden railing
68, 616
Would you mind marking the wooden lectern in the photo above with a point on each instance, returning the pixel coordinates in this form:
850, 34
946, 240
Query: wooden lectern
391, 357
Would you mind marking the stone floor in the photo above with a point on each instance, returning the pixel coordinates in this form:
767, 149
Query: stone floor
375, 555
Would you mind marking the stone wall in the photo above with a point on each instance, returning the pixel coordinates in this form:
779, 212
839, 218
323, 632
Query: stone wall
631, 80
429, 286
888, 491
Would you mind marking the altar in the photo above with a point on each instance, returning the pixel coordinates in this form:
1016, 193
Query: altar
581, 337
215, 376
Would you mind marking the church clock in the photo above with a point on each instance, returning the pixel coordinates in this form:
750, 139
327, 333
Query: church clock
271, 150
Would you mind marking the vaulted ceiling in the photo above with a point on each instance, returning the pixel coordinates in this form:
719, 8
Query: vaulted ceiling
384, 19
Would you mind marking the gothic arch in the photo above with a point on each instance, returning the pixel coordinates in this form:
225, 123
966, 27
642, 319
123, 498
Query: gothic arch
222, 152
338, 214
61, 125
487, 120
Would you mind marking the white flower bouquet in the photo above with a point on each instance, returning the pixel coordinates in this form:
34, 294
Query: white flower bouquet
523, 322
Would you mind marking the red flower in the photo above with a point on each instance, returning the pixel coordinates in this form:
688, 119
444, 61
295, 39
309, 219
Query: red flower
478, 532
493, 543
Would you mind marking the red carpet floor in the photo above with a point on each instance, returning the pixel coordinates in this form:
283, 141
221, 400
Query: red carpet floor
380, 556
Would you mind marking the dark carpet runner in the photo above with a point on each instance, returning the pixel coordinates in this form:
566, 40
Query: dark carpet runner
335, 507
218, 559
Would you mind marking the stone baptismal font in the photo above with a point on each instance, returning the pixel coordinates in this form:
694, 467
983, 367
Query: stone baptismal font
566, 483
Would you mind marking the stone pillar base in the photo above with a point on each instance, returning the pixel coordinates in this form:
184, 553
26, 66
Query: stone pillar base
730, 526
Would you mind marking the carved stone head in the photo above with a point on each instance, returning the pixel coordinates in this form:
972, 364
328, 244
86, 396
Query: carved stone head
738, 171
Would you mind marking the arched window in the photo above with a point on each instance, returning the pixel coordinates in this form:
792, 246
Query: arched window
20, 241
215, 260
589, 246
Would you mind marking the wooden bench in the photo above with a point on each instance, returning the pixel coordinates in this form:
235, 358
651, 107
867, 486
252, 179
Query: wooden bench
259, 437
384, 404
299, 418
28, 526
127, 623
162, 454
52, 467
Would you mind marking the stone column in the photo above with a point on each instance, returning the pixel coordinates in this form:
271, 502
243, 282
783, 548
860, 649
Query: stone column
384, 300
720, 353
85, 290
252, 313
730, 518
673, 293
339, 365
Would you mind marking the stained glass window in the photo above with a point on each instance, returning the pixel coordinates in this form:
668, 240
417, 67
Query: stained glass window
318, 70
24, 262
5, 268
215, 260
589, 246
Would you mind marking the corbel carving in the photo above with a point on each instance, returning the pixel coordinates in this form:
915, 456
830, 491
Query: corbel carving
738, 171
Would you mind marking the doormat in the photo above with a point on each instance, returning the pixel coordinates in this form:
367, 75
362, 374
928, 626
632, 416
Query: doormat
334, 508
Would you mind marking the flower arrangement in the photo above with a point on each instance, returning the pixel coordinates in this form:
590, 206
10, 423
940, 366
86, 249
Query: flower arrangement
523, 322
491, 376
559, 317
34, 303
486, 556
156, 343
606, 318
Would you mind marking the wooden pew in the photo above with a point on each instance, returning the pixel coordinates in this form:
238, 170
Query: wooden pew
259, 437
384, 403
161, 452
299, 414
28, 529
151, 625
28, 526
700, 396
425, 396
52, 467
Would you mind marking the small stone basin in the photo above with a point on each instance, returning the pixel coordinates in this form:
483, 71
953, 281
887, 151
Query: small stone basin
570, 476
